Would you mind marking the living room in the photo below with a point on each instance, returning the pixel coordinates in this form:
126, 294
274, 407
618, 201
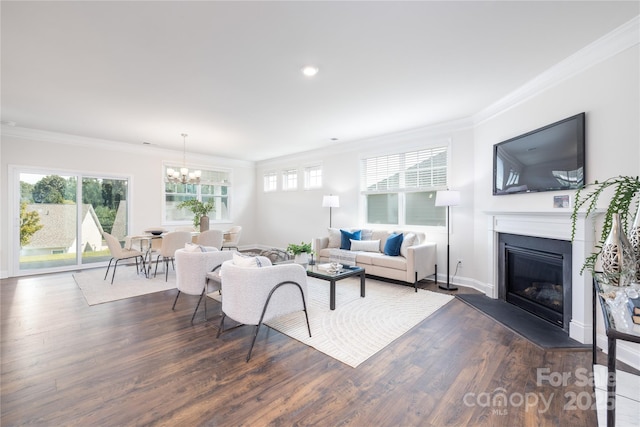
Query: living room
600, 79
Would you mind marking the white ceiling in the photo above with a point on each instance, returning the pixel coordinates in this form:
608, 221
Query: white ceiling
228, 73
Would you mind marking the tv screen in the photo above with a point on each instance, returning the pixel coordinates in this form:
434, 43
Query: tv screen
547, 159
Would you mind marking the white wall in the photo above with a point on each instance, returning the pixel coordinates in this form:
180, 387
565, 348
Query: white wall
143, 164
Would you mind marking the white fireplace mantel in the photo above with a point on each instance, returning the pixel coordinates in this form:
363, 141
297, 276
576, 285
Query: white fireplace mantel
551, 225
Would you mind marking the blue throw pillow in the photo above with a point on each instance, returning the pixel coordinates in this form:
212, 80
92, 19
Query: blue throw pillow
346, 236
392, 247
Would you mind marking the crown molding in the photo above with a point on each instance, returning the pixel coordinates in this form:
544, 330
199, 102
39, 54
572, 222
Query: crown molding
104, 144
417, 137
622, 38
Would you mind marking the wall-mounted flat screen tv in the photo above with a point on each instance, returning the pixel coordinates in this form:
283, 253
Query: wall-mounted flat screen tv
547, 159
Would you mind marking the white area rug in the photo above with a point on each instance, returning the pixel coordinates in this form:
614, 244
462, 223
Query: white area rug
359, 327
627, 397
126, 284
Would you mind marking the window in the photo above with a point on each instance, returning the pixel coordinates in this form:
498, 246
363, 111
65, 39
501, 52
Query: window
62, 217
290, 179
312, 177
400, 188
270, 181
213, 187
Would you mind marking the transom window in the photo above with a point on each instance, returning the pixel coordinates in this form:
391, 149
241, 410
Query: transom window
313, 177
214, 187
400, 189
270, 181
290, 179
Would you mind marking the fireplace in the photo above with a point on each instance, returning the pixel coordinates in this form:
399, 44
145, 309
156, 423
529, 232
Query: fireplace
534, 273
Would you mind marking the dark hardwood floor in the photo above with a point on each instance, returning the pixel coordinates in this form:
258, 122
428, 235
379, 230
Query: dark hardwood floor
137, 362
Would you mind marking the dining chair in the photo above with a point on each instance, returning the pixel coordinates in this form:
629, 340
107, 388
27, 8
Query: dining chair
210, 238
232, 237
171, 242
119, 253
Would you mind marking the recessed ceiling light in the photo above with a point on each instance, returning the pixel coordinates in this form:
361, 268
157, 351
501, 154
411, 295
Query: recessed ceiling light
334, 139
310, 70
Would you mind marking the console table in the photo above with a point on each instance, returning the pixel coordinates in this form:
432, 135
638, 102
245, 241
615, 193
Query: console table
613, 334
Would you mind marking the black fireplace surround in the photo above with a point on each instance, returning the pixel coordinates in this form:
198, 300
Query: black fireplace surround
534, 273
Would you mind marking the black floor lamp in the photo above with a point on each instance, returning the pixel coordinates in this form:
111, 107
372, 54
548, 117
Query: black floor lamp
330, 201
448, 198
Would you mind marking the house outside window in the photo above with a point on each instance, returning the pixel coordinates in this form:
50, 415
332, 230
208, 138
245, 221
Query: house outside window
214, 187
400, 189
270, 181
312, 177
290, 179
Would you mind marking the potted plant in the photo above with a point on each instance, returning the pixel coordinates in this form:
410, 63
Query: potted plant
200, 211
300, 252
624, 189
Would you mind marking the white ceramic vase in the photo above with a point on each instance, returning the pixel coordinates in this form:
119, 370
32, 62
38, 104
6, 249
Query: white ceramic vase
302, 258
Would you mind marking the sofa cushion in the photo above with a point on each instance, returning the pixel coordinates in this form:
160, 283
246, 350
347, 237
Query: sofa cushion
381, 235
408, 240
366, 234
366, 258
365, 245
392, 247
334, 238
347, 236
394, 262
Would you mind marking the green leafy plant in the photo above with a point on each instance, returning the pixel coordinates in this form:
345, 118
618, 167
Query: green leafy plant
29, 224
299, 249
625, 189
198, 208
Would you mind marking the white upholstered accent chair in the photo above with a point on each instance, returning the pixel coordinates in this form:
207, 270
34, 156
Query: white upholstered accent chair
232, 238
192, 269
211, 238
171, 242
119, 253
254, 295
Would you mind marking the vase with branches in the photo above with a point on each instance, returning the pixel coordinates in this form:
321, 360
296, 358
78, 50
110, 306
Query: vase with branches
623, 203
198, 208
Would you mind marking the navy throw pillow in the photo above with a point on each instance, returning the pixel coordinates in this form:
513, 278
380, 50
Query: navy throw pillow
392, 247
346, 236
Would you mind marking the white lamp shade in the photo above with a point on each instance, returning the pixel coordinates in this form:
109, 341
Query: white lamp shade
447, 198
330, 202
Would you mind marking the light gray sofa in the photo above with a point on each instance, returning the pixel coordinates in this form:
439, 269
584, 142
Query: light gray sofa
417, 259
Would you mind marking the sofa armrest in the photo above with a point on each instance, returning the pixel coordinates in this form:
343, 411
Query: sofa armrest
320, 243
421, 259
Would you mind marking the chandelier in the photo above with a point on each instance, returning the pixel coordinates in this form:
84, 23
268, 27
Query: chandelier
183, 175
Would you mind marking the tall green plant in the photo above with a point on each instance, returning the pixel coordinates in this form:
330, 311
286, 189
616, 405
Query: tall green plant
625, 189
198, 208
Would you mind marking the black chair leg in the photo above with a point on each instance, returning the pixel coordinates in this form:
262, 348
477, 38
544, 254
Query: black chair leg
253, 341
115, 265
108, 267
221, 325
196, 310
175, 301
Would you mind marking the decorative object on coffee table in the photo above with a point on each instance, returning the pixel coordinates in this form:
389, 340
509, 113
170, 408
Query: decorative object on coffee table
448, 198
200, 211
300, 252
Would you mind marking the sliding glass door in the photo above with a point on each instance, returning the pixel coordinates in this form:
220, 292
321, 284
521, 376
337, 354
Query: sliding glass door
56, 232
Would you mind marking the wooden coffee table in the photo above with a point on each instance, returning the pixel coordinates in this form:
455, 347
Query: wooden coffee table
318, 273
